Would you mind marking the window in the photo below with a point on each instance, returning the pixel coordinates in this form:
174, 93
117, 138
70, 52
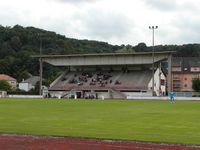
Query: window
185, 85
185, 78
195, 69
162, 82
176, 78
175, 85
176, 69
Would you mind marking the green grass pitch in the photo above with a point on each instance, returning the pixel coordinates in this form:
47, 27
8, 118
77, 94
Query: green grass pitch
140, 120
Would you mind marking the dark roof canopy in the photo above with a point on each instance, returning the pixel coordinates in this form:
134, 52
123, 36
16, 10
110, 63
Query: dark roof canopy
105, 59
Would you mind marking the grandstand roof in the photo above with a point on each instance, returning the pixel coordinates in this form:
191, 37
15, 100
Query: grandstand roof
104, 54
105, 58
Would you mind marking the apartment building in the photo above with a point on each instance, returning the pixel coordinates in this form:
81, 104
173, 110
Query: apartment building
184, 69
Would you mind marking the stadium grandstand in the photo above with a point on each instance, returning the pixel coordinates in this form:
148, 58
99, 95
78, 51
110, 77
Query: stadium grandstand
112, 75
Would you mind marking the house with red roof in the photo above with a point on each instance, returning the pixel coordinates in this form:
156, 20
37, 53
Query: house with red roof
12, 81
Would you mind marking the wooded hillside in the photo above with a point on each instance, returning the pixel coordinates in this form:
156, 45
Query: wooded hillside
18, 43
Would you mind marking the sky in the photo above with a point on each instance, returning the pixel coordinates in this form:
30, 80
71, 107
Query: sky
114, 21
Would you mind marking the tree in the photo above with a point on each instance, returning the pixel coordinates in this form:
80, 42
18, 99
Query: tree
196, 84
36, 89
15, 43
141, 47
5, 86
18, 44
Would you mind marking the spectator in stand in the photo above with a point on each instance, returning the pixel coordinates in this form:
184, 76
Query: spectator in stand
117, 82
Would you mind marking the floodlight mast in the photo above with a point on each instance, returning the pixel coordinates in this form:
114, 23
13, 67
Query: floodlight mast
41, 66
153, 50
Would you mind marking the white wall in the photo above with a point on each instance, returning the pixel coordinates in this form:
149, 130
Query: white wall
25, 86
130, 95
25, 96
158, 88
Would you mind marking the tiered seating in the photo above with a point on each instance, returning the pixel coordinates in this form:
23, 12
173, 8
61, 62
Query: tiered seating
104, 79
136, 77
72, 80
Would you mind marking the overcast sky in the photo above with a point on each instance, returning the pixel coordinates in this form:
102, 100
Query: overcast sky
113, 21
